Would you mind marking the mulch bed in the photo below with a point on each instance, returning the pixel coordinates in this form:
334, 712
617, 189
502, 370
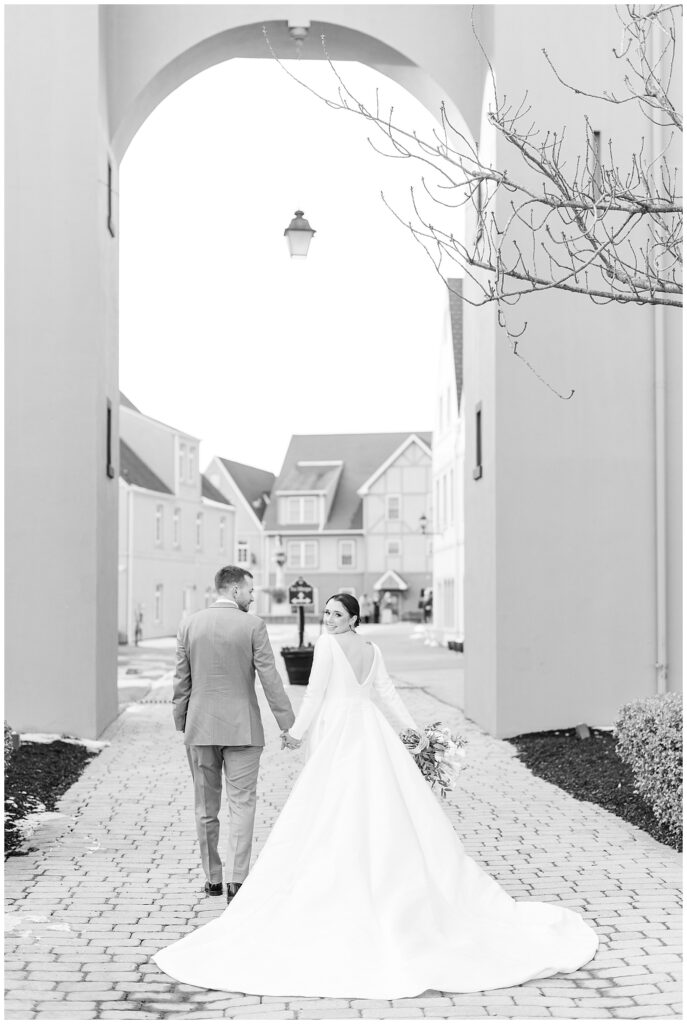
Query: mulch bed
38, 775
590, 770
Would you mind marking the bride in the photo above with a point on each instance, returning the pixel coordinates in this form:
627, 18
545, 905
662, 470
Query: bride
363, 888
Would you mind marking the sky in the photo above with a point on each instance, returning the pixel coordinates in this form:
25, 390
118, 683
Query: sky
222, 334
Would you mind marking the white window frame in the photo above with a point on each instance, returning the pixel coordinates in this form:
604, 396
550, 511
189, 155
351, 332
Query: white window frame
397, 542
176, 528
222, 532
242, 552
351, 545
300, 560
199, 531
158, 605
292, 509
191, 462
389, 499
182, 460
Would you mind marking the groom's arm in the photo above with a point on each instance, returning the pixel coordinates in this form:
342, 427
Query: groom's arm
263, 659
182, 682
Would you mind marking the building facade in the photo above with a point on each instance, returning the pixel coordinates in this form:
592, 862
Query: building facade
346, 513
248, 489
446, 531
175, 528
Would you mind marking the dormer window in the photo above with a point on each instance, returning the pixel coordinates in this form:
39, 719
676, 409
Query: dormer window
191, 463
298, 509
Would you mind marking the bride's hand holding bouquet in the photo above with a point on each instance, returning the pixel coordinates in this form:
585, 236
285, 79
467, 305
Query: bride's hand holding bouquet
438, 753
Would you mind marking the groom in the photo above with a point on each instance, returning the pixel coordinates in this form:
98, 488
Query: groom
219, 650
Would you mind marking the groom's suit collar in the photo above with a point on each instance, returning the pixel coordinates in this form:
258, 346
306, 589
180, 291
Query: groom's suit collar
225, 602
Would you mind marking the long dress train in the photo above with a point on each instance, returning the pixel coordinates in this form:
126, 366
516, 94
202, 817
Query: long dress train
363, 889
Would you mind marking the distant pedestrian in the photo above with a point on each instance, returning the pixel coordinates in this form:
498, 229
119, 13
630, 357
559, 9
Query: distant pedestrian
366, 609
138, 627
375, 610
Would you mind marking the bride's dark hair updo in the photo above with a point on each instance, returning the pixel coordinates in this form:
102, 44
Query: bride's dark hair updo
349, 602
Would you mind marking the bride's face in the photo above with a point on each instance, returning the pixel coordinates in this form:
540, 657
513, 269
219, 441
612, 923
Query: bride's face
336, 619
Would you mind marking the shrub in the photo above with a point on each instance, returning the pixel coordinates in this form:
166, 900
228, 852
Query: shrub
9, 746
649, 733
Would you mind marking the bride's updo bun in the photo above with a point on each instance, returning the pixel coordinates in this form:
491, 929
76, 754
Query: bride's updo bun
350, 603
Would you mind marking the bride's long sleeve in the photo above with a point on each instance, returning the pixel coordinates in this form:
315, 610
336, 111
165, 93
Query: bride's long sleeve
316, 689
388, 697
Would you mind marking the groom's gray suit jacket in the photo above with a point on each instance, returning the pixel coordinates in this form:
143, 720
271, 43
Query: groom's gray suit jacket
219, 650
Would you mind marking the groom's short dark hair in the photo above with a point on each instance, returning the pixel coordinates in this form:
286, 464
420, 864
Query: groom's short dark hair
229, 575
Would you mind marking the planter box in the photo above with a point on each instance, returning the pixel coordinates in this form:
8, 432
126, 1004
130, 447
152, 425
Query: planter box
298, 661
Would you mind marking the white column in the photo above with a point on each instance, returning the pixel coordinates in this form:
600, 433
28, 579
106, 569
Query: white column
61, 366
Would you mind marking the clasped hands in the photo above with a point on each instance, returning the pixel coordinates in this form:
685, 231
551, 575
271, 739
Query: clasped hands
289, 741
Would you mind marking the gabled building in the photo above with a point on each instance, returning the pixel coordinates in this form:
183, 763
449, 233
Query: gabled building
175, 528
248, 489
346, 512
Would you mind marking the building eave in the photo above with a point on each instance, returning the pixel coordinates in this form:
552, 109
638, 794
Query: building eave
412, 438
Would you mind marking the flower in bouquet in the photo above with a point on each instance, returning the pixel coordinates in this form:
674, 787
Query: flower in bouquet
438, 753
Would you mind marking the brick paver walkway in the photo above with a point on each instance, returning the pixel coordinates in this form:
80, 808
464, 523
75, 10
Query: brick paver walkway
120, 877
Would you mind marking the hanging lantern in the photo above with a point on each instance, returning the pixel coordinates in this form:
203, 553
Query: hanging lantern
298, 235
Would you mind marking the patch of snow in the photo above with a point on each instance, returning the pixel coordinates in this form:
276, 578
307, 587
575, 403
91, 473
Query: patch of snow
28, 825
58, 928
12, 921
50, 737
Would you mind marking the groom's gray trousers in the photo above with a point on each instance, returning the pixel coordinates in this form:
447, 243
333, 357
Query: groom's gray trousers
219, 651
240, 766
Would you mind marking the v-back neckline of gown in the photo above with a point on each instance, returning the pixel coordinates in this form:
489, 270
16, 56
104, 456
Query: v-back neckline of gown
348, 661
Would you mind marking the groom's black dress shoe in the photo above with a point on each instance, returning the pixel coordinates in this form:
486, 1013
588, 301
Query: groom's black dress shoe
232, 889
213, 888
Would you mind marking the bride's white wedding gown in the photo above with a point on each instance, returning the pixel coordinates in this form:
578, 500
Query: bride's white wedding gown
363, 888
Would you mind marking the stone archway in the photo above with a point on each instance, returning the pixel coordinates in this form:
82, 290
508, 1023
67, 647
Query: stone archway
81, 81
570, 500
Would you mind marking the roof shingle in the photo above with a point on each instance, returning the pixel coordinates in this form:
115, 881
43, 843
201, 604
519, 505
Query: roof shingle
361, 455
209, 491
133, 470
255, 484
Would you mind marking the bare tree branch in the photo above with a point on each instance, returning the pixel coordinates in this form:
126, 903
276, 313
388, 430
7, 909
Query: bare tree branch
575, 222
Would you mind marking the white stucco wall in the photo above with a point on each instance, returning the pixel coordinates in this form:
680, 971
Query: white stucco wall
447, 531
61, 368
560, 594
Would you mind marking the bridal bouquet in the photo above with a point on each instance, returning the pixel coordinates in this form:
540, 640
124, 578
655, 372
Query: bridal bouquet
438, 753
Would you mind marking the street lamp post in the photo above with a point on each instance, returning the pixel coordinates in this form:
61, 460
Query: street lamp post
426, 533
